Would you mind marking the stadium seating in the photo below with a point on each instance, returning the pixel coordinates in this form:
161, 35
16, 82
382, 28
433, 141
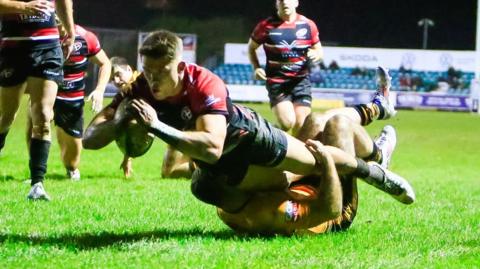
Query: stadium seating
343, 78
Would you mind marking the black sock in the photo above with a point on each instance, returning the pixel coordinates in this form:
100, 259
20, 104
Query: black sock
39, 150
362, 170
376, 155
3, 137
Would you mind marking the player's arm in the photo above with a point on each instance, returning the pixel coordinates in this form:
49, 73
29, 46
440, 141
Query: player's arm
205, 143
315, 53
101, 130
64, 10
259, 73
36, 7
105, 67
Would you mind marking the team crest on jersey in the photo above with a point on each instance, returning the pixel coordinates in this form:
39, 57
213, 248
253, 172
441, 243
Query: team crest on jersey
6, 73
186, 113
301, 33
77, 46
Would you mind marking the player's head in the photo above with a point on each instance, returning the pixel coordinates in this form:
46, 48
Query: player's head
286, 7
161, 54
122, 72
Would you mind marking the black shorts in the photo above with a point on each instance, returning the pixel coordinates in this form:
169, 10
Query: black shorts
297, 91
16, 64
69, 116
267, 148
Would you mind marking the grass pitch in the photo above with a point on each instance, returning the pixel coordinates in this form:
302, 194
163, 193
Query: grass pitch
105, 221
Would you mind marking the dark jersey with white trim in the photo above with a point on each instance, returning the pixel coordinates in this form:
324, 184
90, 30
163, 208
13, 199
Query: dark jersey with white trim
203, 93
86, 45
29, 31
286, 45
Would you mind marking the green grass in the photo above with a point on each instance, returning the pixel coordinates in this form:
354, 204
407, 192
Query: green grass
105, 221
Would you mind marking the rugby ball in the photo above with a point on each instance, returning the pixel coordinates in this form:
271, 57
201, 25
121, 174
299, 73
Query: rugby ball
133, 138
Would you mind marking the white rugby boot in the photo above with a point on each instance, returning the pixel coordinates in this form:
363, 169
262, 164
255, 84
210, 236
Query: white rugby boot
37, 192
384, 82
74, 175
393, 184
386, 142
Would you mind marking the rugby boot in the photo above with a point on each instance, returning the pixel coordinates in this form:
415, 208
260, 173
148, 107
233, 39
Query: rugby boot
37, 192
393, 184
381, 97
386, 142
74, 175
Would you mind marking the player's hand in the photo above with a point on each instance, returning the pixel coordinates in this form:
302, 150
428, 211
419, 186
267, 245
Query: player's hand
39, 8
126, 166
260, 74
314, 55
319, 151
67, 46
146, 113
96, 97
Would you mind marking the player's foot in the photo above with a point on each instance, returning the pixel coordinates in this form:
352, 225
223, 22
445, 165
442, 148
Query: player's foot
386, 142
393, 184
384, 82
74, 175
37, 192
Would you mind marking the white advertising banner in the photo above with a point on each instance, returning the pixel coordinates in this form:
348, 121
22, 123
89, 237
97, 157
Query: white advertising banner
428, 60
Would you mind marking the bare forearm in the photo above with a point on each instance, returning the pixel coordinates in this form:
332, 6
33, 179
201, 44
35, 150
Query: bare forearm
103, 76
253, 58
64, 9
197, 145
12, 7
98, 135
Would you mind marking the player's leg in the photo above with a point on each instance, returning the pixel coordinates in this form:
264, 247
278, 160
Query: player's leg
42, 96
10, 98
301, 96
176, 164
70, 152
285, 114
69, 121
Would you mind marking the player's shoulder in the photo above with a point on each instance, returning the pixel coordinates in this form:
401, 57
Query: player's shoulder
302, 19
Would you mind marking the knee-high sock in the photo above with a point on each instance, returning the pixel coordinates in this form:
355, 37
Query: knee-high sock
3, 137
39, 150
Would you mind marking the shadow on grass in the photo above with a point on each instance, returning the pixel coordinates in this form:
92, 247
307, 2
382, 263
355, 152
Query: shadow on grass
6, 177
105, 239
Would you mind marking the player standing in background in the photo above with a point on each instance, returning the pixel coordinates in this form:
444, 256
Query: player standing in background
69, 103
31, 60
290, 41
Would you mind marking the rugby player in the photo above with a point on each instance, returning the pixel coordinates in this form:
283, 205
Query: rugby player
317, 204
187, 106
291, 43
68, 108
31, 60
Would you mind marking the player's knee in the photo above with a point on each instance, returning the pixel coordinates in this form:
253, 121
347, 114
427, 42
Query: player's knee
41, 130
337, 124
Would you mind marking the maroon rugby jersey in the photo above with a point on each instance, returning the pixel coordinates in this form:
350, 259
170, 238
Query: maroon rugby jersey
286, 45
29, 31
86, 45
203, 93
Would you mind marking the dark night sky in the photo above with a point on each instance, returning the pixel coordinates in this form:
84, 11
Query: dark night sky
372, 23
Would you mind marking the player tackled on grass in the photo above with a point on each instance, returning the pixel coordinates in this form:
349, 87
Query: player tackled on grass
188, 107
318, 204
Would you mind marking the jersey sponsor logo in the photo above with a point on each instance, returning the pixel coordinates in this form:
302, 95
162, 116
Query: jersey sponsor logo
290, 46
302, 33
211, 100
275, 33
7, 72
186, 113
